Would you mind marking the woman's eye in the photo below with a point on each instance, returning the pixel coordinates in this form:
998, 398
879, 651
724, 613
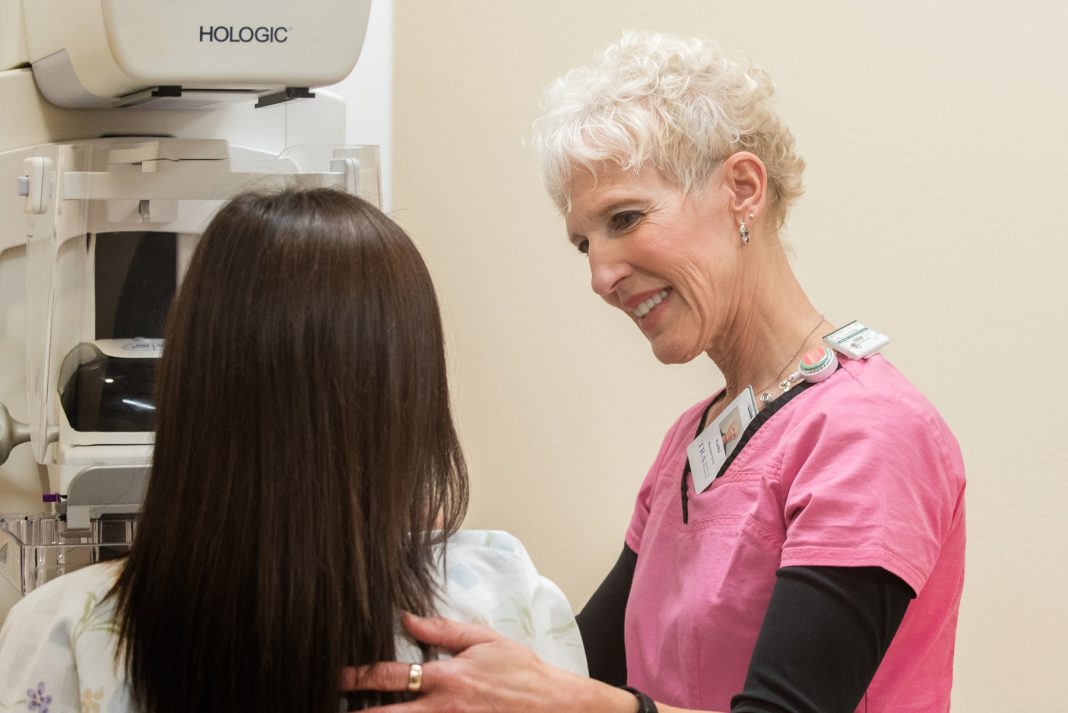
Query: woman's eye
624, 220
583, 246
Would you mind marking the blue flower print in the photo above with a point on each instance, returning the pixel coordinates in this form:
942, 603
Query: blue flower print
37, 700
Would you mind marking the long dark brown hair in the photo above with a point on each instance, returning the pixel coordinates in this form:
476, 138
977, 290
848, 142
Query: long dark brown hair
305, 452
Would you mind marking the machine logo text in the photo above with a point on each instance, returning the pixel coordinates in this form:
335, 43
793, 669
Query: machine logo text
229, 33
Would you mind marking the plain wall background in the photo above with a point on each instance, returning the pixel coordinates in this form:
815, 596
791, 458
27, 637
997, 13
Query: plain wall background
934, 211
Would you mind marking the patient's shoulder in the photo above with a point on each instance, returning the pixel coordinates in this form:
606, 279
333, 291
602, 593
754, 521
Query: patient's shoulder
488, 578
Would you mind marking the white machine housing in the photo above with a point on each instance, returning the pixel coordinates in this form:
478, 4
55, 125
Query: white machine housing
103, 53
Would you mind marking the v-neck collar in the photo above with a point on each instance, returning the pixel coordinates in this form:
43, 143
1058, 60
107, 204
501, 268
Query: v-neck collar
761, 418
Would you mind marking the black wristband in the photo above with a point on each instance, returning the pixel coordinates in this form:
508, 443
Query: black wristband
645, 703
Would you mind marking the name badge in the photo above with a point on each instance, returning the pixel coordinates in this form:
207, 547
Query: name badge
856, 341
710, 450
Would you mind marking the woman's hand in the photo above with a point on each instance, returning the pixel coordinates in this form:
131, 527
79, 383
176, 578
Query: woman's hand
488, 673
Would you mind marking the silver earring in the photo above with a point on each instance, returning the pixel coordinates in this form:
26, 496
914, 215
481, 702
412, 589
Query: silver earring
751, 216
744, 232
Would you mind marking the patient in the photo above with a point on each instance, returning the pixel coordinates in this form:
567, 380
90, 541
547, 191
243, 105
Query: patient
305, 477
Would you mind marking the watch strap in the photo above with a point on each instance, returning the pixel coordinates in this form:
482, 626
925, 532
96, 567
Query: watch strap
645, 703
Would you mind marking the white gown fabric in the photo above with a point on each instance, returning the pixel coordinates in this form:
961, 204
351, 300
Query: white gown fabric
58, 644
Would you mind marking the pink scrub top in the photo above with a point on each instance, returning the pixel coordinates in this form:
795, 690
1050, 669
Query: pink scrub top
856, 471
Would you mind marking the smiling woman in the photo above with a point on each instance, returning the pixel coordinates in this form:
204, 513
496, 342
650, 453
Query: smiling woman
819, 566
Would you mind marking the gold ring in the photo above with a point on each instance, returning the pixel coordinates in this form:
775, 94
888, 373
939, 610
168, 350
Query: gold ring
415, 677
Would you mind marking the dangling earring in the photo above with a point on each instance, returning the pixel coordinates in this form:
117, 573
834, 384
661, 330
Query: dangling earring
743, 230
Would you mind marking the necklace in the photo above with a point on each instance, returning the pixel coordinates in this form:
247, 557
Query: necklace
785, 384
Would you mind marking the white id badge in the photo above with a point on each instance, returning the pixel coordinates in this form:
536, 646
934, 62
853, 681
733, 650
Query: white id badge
710, 450
856, 341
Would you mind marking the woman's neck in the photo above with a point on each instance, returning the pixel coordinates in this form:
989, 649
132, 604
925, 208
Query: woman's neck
776, 325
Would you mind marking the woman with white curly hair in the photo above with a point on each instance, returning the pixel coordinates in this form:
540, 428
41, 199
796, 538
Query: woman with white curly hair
798, 544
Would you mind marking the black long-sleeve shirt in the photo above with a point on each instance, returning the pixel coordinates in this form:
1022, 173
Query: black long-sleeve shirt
824, 634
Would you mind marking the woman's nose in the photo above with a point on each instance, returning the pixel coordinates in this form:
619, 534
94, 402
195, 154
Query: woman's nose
607, 269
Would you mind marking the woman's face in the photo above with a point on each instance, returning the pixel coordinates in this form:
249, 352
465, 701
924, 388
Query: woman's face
668, 259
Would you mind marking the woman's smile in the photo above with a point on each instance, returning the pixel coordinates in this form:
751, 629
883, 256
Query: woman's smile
642, 305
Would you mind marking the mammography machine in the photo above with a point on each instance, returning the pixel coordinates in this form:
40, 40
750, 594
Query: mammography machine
124, 125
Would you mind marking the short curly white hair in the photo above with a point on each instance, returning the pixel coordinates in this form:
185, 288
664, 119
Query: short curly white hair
678, 104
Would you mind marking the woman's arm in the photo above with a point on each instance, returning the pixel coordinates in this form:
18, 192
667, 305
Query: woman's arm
825, 633
601, 622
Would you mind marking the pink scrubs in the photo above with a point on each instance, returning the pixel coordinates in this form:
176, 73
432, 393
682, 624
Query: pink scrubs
856, 471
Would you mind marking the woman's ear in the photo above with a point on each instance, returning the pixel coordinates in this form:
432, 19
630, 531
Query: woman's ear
746, 178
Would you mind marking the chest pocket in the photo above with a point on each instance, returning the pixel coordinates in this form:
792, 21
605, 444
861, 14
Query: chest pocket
736, 500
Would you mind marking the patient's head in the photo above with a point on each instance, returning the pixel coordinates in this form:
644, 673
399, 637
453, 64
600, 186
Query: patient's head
304, 450
306, 345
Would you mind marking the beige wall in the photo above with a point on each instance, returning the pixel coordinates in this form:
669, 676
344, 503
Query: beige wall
935, 210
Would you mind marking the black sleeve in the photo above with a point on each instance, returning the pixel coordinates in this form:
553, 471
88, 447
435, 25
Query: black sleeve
601, 622
824, 634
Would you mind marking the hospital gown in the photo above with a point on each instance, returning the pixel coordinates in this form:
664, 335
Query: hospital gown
58, 645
